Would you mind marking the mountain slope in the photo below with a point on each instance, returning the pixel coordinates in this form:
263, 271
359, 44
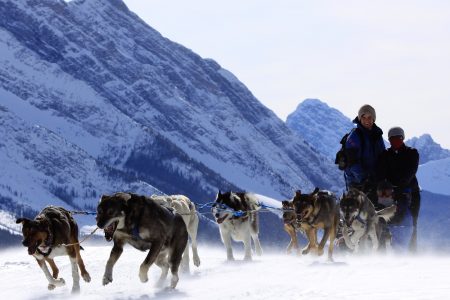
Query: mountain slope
97, 75
428, 149
320, 125
434, 176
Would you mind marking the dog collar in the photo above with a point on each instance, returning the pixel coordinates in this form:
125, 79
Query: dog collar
44, 254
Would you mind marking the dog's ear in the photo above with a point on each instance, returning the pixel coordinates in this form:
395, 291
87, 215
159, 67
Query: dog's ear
22, 220
102, 198
298, 193
285, 203
316, 190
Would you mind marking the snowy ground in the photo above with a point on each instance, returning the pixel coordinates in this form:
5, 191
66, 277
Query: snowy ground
272, 276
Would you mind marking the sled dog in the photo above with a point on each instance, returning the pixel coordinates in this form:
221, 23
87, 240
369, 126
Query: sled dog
54, 232
237, 216
183, 205
318, 210
361, 218
292, 226
144, 224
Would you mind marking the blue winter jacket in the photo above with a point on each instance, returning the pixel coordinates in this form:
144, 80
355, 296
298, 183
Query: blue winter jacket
363, 155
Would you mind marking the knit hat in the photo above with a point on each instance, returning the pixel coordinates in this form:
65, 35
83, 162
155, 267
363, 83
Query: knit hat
396, 131
366, 109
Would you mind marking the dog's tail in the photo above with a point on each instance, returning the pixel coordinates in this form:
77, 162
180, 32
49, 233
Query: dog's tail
387, 213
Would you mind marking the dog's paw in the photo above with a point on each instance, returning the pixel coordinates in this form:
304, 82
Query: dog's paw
107, 279
305, 251
248, 258
143, 276
320, 251
86, 277
51, 286
59, 282
196, 261
76, 289
173, 281
185, 269
160, 283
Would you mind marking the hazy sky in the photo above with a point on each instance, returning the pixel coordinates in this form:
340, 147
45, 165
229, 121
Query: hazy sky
394, 55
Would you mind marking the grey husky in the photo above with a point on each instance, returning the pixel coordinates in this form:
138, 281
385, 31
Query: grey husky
361, 218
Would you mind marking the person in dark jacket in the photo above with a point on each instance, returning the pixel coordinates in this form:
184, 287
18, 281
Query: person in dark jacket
398, 165
363, 148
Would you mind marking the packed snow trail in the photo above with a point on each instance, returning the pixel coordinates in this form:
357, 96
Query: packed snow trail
271, 276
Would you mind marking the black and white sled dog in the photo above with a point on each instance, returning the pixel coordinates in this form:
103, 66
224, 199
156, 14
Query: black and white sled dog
237, 216
184, 206
361, 218
144, 224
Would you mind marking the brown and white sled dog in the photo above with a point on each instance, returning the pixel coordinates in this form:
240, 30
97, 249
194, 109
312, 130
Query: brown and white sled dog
47, 236
318, 210
237, 216
183, 205
361, 218
144, 224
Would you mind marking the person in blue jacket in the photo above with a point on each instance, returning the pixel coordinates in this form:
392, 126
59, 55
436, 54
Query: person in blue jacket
363, 148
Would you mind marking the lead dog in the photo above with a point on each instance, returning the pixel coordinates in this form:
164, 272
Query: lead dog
47, 236
361, 217
236, 214
144, 224
183, 205
318, 210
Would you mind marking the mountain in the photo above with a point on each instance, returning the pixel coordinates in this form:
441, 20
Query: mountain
434, 176
319, 125
93, 100
428, 149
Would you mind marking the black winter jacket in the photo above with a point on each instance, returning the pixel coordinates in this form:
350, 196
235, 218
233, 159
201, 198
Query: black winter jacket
399, 167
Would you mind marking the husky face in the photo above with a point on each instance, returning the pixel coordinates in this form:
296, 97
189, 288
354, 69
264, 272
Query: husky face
350, 207
110, 210
304, 204
224, 205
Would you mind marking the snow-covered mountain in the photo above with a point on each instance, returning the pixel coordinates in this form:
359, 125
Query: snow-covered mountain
93, 100
429, 150
434, 176
320, 125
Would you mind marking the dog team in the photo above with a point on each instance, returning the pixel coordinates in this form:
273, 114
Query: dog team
163, 224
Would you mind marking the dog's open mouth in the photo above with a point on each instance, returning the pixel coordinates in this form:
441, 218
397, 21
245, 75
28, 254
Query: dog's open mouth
221, 219
109, 230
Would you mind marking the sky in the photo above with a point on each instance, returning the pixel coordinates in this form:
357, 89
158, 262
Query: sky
394, 55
